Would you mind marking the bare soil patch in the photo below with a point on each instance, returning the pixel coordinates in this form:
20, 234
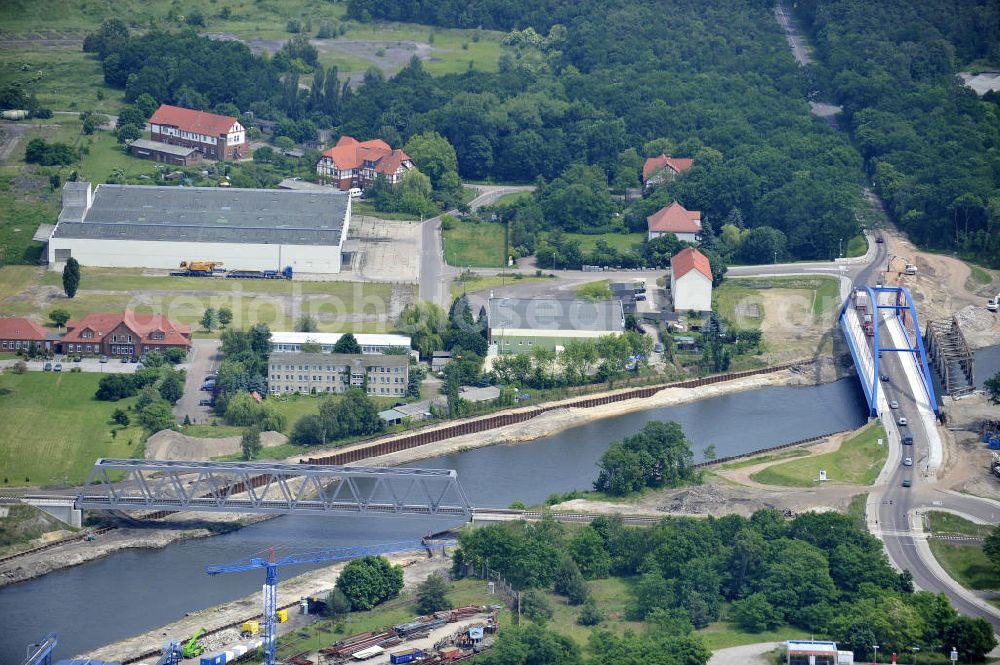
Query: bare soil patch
171, 445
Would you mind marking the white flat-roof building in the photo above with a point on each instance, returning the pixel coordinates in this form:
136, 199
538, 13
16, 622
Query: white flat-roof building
291, 342
140, 226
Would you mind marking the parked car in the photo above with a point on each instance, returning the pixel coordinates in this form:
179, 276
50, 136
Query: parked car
211, 377
893, 404
658, 348
208, 386
133, 359
907, 461
902, 420
124, 359
104, 359
47, 367
57, 367
883, 377
907, 439
205, 402
906, 482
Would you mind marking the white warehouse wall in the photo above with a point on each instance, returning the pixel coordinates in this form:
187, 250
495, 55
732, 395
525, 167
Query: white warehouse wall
692, 291
167, 255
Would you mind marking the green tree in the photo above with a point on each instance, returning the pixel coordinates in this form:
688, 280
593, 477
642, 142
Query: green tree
755, 614
306, 324
113, 387
991, 546
992, 386
71, 277
763, 245
658, 456
128, 133
172, 387
589, 614
972, 637
347, 343
369, 581
153, 359
337, 604
250, 443
242, 409
424, 322
225, 316
569, 582
433, 155
535, 606
119, 417
432, 594
157, 416
59, 316
208, 319
587, 550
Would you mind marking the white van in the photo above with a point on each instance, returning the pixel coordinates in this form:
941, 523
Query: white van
354, 192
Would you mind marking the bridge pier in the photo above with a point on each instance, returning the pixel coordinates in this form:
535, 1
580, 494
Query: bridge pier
63, 510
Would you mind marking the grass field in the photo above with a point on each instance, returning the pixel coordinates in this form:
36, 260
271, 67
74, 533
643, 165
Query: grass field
967, 565
823, 294
979, 276
722, 634
595, 290
53, 429
337, 305
470, 283
477, 244
940, 522
20, 214
619, 241
513, 197
610, 595
858, 461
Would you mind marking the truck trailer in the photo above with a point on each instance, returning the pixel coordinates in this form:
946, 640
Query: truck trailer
260, 274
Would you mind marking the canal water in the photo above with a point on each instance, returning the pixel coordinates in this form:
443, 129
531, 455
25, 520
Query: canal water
137, 590
987, 363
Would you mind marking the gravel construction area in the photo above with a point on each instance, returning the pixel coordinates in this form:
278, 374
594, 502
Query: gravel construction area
170, 445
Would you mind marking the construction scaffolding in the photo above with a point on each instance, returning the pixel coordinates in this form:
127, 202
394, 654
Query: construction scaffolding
950, 354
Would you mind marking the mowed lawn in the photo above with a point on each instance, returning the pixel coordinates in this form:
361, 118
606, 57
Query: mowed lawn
476, 244
858, 461
967, 565
53, 429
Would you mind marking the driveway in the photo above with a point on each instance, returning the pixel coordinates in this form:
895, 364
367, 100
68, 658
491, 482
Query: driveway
205, 358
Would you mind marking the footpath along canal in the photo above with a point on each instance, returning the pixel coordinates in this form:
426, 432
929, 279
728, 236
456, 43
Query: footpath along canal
134, 591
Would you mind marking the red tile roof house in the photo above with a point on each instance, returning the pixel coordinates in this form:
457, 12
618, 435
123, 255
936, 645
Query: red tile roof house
18, 333
675, 219
217, 136
124, 334
691, 281
351, 163
661, 169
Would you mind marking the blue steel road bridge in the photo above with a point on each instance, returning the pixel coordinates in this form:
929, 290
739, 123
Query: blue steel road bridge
860, 318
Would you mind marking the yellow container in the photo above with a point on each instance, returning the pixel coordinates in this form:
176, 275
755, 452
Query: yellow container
251, 627
282, 616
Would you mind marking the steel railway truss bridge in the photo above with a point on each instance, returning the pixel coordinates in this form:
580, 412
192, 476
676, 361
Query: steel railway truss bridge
263, 487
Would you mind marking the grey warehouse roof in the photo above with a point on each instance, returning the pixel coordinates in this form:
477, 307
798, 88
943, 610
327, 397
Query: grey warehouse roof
553, 314
209, 214
342, 359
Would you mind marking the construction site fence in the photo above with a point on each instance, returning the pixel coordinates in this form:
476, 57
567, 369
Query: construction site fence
485, 423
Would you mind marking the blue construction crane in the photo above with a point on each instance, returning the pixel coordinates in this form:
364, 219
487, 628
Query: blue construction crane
271, 563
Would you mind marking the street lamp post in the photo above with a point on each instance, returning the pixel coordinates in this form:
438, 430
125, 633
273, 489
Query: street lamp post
875, 646
915, 650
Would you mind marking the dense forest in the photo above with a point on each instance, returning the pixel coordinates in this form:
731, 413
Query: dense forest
598, 84
818, 572
931, 146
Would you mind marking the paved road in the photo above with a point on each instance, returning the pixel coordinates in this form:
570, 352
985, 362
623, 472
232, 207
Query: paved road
746, 654
435, 274
205, 358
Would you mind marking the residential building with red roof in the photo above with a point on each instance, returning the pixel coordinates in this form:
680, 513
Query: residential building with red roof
675, 219
124, 334
353, 163
217, 136
663, 168
691, 281
17, 332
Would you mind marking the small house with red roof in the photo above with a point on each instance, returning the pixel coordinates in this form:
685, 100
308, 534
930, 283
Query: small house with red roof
353, 163
124, 334
17, 333
216, 136
677, 220
663, 168
691, 281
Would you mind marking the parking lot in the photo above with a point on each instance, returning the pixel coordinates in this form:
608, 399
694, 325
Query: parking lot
204, 360
113, 366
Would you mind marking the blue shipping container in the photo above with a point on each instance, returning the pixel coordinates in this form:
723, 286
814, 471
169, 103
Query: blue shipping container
405, 656
214, 659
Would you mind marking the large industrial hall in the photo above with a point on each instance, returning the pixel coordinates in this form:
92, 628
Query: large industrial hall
132, 226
